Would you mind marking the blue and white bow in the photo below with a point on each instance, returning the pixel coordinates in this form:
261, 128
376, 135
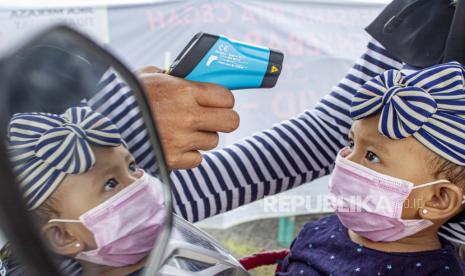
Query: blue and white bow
45, 148
428, 105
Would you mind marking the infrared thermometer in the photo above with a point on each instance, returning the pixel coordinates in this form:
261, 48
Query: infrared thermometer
229, 63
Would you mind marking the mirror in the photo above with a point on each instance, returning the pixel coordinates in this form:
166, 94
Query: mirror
78, 131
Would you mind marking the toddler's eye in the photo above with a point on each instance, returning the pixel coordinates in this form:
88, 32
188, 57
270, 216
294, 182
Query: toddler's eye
132, 166
110, 185
372, 157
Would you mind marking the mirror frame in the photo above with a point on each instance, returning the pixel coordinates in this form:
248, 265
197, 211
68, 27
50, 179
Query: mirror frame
16, 221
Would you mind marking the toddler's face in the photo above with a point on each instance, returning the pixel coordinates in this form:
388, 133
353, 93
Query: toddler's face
114, 170
406, 158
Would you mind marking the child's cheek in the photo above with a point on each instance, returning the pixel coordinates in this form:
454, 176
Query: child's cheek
411, 206
87, 238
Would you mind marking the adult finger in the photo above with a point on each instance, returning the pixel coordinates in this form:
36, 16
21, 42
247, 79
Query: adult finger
203, 140
214, 96
217, 119
186, 160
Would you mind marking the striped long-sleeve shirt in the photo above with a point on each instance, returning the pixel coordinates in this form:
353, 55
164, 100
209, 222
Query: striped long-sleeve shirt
291, 153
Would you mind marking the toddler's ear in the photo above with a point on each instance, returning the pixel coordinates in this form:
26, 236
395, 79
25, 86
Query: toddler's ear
60, 240
444, 203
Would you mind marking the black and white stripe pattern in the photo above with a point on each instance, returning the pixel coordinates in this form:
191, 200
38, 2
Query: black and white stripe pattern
285, 156
116, 101
291, 153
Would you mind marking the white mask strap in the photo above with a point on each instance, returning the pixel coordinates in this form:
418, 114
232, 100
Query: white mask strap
64, 220
431, 183
435, 182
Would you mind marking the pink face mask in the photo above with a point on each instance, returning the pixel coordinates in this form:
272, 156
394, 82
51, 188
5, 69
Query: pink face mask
370, 203
125, 226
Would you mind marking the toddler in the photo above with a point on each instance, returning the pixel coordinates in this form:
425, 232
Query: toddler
79, 179
401, 177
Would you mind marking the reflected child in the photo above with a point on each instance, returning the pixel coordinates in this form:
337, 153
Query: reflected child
91, 200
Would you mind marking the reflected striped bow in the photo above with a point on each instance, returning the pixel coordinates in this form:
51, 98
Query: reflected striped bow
428, 104
44, 148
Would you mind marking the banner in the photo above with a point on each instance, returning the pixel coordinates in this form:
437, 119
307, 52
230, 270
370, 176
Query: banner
19, 24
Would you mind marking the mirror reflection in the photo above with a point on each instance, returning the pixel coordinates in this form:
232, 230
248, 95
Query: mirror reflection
82, 155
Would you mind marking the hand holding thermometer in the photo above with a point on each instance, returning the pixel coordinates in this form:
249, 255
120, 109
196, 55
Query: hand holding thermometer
232, 64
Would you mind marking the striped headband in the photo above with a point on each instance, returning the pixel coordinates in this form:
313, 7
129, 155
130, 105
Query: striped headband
428, 105
44, 148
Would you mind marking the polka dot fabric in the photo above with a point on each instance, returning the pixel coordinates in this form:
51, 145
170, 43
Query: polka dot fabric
323, 247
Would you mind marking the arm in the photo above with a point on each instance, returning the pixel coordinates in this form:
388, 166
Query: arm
289, 154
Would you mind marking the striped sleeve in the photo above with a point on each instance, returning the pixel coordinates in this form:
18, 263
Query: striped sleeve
116, 101
291, 153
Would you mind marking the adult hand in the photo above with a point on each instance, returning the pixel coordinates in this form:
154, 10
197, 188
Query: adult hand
188, 114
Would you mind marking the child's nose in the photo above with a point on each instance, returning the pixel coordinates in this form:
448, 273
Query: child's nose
350, 155
345, 152
138, 174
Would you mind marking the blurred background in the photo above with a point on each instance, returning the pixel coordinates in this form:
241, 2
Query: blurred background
320, 41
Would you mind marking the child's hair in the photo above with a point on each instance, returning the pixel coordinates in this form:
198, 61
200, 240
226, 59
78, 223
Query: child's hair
46, 211
448, 170
45, 148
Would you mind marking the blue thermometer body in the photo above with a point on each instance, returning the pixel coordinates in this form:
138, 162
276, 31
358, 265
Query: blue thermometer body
229, 63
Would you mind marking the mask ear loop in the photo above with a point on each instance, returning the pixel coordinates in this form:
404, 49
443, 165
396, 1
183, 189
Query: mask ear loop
435, 182
430, 183
424, 211
63, 220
